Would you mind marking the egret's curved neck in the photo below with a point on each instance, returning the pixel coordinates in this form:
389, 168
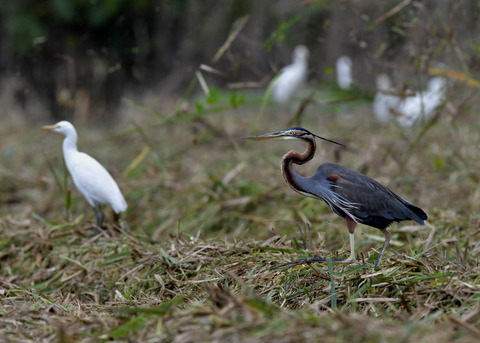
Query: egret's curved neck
70, 141
298, 158
299, 59
301, 63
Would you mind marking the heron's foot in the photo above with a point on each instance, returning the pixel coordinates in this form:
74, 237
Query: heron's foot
310, 260
347, 260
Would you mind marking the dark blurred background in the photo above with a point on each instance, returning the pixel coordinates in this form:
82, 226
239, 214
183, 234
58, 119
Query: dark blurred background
64, 59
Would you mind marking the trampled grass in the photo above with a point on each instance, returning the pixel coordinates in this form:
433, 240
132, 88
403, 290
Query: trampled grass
209, 219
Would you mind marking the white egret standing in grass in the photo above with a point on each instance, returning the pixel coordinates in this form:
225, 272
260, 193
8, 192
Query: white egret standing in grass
344, 72
89, 176
384, 100
424, 104
292, 77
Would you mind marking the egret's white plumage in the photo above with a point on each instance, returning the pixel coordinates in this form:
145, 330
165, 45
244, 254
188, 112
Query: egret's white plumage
344, 72
292, 77
384, 100
89, 176
424, 104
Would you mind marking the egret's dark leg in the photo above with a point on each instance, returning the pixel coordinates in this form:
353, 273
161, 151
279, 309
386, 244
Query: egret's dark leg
99, 215
384, 247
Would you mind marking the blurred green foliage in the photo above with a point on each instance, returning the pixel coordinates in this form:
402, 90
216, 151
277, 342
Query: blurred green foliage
96, 13
26, 28
29, 20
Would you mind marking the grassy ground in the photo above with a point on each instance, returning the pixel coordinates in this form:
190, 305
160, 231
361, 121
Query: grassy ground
210, 217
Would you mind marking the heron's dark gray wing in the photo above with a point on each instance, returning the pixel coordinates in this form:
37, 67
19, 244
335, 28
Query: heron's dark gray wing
375, 204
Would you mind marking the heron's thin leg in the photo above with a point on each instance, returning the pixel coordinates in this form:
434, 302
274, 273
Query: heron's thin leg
384, 247
351, 225
352, 256
99, 215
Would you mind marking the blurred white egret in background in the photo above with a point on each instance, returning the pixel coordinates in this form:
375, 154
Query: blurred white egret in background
424, 104
292, 77
344, 72
385, 100
89, 176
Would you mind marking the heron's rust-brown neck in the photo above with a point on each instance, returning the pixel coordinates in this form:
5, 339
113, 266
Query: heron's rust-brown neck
298, 158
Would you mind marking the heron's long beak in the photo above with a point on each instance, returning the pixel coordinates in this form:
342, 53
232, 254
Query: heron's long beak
280, 134
49, 127
286, 135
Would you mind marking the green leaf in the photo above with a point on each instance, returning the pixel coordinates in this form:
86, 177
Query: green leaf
330, 70
234, 99
262, 306
439, 163
160, 310
279, 34
213, 96
332, 284
199, 107
135, 324
117, 257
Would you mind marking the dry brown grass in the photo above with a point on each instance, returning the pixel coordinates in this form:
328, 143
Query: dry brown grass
209, 217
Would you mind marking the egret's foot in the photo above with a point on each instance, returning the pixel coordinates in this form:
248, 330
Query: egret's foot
97, 230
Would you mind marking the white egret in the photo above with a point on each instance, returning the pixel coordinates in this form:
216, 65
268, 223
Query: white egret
385, 100
89, 176
292, 77
344, 72
424, 104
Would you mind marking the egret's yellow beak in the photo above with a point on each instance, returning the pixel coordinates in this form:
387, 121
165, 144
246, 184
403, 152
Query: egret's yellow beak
49, 127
